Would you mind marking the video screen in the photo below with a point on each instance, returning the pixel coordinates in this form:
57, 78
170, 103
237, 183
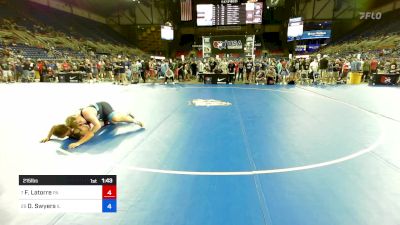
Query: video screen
205, 14
167, 33
295, 29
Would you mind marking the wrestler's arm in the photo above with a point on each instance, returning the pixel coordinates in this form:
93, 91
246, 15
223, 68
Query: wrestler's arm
49, 135
92, 119
102, 124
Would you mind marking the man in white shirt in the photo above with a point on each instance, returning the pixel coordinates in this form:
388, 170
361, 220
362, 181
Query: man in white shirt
314, 67
201, 70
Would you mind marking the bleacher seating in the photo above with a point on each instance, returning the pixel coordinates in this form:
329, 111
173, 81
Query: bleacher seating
389, 24
46, 33
74, 25
370, 36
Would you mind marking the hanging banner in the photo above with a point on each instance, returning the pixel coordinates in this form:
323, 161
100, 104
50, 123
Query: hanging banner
313, 47
249, 48
316, 34
206, 47
301, 48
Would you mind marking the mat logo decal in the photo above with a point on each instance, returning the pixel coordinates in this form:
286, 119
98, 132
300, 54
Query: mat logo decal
209, 102
228, 44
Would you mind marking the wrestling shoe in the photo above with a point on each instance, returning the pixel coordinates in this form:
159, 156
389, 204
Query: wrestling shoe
139, 123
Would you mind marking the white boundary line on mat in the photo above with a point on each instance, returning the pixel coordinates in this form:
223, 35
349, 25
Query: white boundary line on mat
271, 171
258, 172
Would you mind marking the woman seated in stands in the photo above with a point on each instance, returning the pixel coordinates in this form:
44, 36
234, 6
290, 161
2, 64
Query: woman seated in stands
261, 76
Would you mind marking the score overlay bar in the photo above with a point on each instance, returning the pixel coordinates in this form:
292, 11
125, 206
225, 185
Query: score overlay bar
68, 193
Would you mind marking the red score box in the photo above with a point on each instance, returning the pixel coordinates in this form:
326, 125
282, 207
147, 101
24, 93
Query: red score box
109, 191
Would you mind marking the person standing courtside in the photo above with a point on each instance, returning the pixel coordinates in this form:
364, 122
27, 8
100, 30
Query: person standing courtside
366, 67
240, 69
249, 69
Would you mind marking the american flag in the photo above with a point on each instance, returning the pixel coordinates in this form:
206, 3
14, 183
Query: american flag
186, 10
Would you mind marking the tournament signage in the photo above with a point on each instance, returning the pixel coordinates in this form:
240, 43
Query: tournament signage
206, 47
313, 47
316, 34
227, 44
301, 48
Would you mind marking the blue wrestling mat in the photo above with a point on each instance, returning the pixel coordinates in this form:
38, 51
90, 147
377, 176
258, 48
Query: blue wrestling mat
245, 155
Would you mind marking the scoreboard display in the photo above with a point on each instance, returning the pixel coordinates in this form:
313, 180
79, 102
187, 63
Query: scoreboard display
229, 14
68, 193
